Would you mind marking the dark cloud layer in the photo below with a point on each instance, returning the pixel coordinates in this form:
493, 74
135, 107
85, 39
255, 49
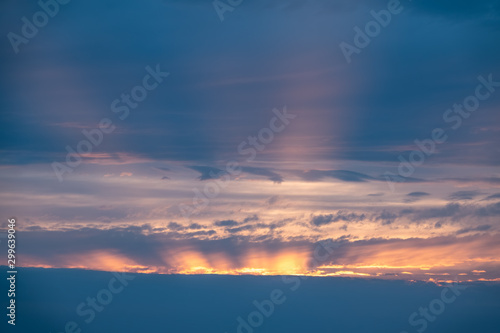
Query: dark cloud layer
320, 220
464, 195
493, 197
216, 97
478, 228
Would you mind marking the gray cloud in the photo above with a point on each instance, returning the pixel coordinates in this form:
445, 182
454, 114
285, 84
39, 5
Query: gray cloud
415, 196
272, 200
175, 226
375, 194
464, 195
386, 217
320, 220
493, 197
251, 227
344, 175
271, 175
226, 223
488, 211
478, 228
450, 210
207, 172
418, 194
251, 218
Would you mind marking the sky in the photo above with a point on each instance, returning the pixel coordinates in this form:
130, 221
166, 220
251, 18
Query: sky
178, 137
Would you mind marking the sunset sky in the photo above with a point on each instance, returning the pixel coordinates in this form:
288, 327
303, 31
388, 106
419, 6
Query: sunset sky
259, 141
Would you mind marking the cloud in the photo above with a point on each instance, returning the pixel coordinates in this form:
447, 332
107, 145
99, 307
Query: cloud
254, 217
400, 179
272, 200
250, 227
175, 226
200, 233
344, 175
487, 180
271, 175
207, 172
386, 217
195, 226
163, 170
200, 130
489, 210
415, 196
464, 195
226, 223
493, 197
320, 220
478, 228
450, 210
170, 251
349, 118
418, 194
349, 217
